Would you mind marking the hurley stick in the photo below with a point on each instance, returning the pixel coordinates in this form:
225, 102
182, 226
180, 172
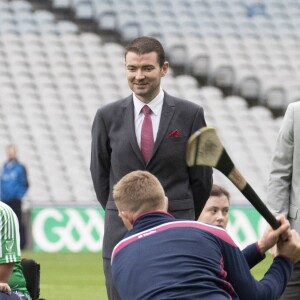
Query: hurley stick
205, 148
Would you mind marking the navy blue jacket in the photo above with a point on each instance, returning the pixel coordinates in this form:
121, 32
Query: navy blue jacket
14, 182
164, 258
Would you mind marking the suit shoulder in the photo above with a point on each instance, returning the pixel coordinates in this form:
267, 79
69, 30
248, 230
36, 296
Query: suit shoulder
113, 106
294, 105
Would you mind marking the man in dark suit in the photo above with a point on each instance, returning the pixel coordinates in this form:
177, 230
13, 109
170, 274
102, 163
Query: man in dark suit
117, 144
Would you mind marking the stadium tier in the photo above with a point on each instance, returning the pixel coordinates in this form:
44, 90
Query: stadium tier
235, 45
54, 76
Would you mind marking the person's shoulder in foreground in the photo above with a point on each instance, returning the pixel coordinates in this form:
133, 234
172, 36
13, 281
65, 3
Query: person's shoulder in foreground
12, 281
9, 231
186, 259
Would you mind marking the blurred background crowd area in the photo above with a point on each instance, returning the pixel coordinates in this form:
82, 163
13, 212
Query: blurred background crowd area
61, 60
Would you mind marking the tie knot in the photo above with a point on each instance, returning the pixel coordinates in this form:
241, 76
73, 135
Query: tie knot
146, 110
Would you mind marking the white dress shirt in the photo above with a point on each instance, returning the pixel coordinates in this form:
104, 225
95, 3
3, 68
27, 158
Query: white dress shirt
156, 107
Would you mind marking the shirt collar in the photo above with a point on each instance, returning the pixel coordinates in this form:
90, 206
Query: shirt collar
133, 221
11, 162
154, 104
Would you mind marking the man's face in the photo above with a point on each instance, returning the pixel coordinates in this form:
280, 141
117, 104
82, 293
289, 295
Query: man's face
144, 74
215, 211
11, 153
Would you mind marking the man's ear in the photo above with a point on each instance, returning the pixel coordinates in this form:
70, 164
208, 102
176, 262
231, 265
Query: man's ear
124, 214
164, 68
126, 218
166, 203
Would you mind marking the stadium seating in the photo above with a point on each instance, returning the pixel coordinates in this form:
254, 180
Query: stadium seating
216, 39
53, 78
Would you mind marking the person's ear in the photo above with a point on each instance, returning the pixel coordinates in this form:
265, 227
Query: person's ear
126, 218
166, 203
124, 215
164, 68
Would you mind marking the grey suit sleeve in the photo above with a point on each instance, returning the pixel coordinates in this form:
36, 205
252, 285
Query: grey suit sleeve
100, 159
200, 177
279, 185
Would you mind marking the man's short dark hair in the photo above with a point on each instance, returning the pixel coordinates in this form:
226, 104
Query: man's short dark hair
218, 191
145, 44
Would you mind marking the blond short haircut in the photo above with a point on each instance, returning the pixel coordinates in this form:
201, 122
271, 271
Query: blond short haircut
138, 192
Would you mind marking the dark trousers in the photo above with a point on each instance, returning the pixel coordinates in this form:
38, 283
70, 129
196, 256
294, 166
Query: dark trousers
16, 206
111, 291
292, 290
13, 296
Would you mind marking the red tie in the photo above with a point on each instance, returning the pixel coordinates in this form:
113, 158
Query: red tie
147, 140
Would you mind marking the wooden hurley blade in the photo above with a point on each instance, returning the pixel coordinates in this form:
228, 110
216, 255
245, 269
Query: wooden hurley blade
205, 148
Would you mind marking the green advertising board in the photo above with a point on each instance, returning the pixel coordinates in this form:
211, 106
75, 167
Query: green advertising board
245, 225
67, 229
81, 229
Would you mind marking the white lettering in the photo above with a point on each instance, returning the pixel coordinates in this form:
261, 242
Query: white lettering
241, 226
39, 230
74, 233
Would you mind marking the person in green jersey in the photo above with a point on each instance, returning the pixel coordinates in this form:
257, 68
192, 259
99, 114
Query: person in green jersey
12, 280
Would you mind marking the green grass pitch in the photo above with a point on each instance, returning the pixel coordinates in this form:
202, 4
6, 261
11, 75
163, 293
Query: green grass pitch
79, 276
70, 276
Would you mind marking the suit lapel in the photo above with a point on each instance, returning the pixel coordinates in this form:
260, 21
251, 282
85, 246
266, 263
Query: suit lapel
167, 113
130, 126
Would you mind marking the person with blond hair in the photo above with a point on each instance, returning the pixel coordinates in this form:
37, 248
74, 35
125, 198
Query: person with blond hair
161, 257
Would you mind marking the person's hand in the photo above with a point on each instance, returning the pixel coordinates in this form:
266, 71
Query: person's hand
289, 248
5, 288
271, 236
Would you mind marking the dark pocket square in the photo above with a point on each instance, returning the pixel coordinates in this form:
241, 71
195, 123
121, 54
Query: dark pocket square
174, 134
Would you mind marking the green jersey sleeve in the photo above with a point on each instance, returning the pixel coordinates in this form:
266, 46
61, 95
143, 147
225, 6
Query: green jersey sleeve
9, 235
